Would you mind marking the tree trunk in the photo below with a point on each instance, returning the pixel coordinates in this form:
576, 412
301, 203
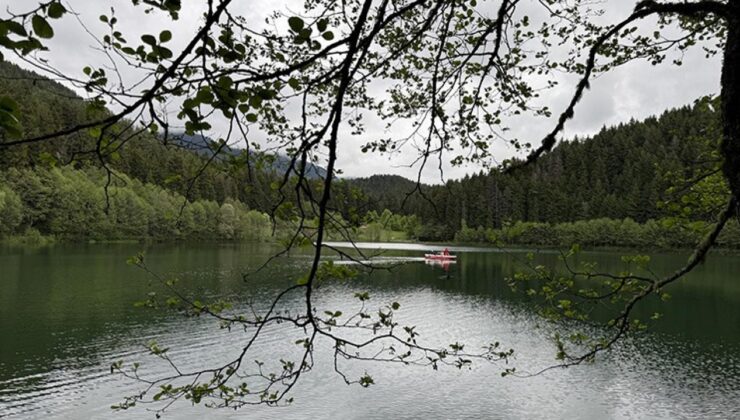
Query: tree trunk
731, 102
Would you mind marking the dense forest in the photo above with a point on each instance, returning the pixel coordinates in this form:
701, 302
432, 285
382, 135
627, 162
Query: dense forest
623, 171
70, 203
660, 171
622, 186
177, 162
158, 188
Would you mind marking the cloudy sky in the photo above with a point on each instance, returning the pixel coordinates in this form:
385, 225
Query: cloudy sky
636, 90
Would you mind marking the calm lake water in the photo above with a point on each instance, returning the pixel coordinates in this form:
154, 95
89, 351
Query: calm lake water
66, 313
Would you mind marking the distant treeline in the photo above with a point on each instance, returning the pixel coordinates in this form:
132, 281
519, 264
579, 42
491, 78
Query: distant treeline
625, 233
71, 204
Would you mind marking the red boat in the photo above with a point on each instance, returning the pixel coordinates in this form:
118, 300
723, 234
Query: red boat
440, 257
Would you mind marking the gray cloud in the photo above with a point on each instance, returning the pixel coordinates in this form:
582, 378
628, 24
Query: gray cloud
635, 90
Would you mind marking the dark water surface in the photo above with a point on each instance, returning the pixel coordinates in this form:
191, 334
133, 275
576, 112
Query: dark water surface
66, 313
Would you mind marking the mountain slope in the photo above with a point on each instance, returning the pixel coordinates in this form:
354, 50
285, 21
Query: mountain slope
47, 106
206, 146
621, 172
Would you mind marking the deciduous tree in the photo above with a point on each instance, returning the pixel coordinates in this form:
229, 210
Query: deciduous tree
456, 70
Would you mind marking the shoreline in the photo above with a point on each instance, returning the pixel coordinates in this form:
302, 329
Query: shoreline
33, 240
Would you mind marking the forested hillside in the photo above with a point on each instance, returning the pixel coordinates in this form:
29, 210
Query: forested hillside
632, 170
175, 164
57, 187
625, 176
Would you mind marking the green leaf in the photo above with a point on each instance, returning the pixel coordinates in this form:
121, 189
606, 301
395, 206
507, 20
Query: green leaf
165, 53
173, 5
255, 101
8, 121
56, 10
8, 105
362, 296
328, 35
225, 82
149, 39
204, 95
322, 24
165, 36
305, 34
366, 381
94, 132
295, 23
13, 27
41, 27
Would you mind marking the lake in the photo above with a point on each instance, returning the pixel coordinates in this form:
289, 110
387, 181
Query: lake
67, 313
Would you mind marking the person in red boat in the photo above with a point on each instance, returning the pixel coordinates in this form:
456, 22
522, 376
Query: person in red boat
446, 252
